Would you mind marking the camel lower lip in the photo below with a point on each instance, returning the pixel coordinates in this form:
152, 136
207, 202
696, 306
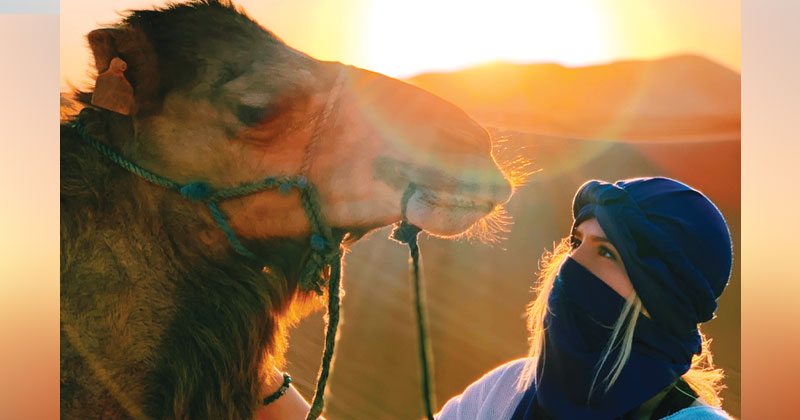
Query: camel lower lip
443, 214
455, 202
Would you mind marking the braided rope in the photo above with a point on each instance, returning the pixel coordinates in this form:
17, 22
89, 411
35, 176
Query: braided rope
323, 251
223, 224
322, 242
330, 339
119, 160
407, 233
282, 183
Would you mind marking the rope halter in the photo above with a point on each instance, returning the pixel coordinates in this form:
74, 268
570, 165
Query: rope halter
326, 252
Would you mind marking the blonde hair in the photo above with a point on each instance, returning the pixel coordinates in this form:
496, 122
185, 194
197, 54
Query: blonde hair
703, 377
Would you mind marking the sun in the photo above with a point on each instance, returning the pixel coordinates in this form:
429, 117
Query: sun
414, 36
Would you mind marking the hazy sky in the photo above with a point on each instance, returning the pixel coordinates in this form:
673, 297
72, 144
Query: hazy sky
403, 38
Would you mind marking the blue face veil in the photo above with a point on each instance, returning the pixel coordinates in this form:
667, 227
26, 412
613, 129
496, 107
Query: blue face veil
676, 249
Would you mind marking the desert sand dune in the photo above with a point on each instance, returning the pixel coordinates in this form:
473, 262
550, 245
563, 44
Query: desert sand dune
681, 98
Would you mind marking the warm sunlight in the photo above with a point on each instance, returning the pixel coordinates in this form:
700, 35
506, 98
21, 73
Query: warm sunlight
230, 168
403, 39
414, 36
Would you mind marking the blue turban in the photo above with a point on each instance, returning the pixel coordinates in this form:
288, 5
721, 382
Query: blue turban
673, 241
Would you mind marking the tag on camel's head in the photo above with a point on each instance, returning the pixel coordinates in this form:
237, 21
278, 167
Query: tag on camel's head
112, 90
127, 66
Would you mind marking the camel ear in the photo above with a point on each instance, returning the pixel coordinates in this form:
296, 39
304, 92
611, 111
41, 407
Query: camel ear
141, 70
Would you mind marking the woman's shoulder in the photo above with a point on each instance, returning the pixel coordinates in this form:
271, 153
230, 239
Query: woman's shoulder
492, 396
508, 371
502, 377
700, 412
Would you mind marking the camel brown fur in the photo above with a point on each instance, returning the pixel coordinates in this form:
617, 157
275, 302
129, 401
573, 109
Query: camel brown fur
160, 317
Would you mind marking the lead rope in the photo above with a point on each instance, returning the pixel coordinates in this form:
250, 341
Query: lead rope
330, 340
406, 233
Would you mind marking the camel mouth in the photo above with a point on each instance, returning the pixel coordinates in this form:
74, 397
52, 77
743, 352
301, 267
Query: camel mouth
446, 214
445, 204
454, 202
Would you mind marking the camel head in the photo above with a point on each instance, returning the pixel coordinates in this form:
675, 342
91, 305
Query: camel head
217, 98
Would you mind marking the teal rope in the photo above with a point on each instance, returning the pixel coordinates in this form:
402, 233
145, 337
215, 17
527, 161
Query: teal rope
323, 250
322, 241
330, 340
119, 160
407, 233
223, 224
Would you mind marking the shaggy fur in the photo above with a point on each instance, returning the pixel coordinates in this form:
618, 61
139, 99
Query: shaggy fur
156, 323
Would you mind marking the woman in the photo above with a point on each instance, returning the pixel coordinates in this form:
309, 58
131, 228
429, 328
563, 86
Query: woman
614, 328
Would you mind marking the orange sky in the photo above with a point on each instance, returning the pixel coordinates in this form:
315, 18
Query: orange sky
414, 36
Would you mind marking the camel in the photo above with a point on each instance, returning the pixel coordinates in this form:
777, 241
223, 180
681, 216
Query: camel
160, 317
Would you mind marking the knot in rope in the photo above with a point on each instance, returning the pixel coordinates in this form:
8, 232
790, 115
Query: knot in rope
318, 242
301, 182
285, 188
197, 191
312, 276
405, 233
322, 256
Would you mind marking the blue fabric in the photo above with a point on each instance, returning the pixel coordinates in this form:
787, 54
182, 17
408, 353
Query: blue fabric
673, 241
676, 250
582, 310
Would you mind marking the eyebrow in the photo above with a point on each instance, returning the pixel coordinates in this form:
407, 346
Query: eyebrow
596, 238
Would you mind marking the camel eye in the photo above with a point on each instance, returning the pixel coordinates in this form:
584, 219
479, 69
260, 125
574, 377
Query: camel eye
254, 115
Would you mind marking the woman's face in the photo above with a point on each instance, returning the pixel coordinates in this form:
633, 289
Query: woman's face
591, 249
